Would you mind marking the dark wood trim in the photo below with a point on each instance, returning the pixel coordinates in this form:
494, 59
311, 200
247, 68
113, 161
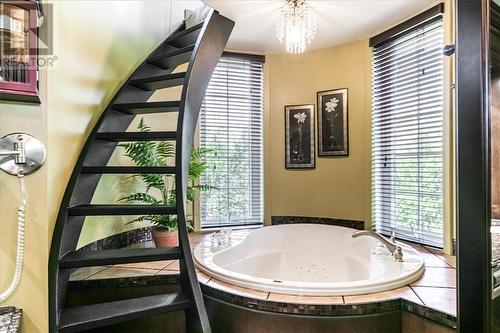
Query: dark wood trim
407, 25
245, 56
17, 96
473, 167
20, 91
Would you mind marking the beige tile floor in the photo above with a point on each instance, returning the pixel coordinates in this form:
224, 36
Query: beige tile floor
436, 289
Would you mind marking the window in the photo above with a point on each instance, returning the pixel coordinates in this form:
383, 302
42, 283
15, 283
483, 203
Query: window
231, 127
18, 50
407, 134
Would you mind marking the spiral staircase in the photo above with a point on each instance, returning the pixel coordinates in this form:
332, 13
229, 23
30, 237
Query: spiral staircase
200, 46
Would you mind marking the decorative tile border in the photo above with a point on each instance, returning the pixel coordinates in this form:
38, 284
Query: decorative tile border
275, 220
302, 309
333, 309
10, 319
120, 240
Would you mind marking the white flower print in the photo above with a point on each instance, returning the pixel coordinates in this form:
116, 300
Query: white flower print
330, 106
301, 117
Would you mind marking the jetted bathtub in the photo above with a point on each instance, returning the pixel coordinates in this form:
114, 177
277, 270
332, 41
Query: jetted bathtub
308, 259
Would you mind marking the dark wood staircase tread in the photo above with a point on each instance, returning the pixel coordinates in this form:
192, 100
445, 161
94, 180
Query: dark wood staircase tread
128, 170
77, 259
104, 314
120, 209
172, 59
147, 107
185, 37
159, 82
137, 136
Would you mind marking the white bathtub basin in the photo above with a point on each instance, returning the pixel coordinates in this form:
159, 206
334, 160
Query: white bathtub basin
308, 259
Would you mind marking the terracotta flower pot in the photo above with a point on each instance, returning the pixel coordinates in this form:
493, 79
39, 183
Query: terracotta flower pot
164, 238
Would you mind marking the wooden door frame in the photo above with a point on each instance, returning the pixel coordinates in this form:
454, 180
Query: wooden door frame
473, 167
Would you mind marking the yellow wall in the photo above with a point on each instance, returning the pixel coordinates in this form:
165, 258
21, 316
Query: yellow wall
97, 45
339, 186
32, 292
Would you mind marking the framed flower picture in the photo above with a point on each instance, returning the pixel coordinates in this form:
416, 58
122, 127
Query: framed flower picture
299, 137
333, 133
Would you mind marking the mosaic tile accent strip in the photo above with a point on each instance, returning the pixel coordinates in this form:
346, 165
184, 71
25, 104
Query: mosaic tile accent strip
333, 309
275, 220
428, 313
302, 309
10, 319
120, 240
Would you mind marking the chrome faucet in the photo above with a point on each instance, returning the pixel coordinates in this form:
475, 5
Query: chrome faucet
394, 248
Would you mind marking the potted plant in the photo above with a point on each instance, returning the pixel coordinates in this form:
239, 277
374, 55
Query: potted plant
160, 189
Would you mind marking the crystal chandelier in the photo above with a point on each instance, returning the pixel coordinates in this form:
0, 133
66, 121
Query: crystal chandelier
296, 25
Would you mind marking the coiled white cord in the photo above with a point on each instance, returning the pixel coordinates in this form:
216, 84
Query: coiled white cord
20, 241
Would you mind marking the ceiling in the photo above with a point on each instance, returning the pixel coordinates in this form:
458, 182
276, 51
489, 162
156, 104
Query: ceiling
338, 22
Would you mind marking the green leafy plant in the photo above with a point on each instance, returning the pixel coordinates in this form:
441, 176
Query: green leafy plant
146, 153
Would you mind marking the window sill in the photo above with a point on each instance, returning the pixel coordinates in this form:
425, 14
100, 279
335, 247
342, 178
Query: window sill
24, 97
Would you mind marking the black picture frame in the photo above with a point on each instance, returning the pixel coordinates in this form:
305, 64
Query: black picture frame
333, 122
299, 137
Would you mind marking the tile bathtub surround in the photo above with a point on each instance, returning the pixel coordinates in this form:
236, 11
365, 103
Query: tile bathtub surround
218, 285
148, 265
431, 260
440, 277
295, 299
86, 272
276, 220
431, 297
450, 260
399, 293
442, 299
10, 319
119, 272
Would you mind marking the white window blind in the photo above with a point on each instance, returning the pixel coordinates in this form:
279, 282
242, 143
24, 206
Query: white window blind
231, 127
407, 135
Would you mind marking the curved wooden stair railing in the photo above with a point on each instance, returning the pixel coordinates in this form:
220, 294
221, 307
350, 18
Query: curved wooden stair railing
201, 47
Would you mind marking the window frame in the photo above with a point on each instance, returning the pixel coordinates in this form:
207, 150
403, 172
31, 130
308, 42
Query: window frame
391, 156
240, 222
17, 91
